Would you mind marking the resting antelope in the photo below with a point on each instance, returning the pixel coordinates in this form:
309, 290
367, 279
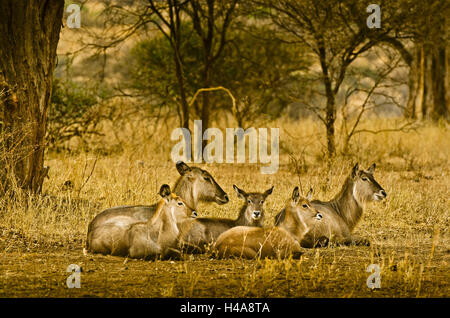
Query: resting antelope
341, 214
194, 185
200, 232
157, 236
279, 241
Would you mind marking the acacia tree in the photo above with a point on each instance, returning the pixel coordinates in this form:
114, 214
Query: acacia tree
29, 37
211, 21
257, 78
336, 34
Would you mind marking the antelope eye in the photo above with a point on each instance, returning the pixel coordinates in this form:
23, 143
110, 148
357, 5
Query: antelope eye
364, 179
262, 201
249, 201
180, 203
305, 206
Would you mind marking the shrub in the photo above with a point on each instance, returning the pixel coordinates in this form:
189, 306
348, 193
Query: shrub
75, 113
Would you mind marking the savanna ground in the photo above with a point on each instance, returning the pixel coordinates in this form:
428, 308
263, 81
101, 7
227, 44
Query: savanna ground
40, 237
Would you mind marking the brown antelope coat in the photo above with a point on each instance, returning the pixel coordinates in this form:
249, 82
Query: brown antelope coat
198, 233
340, 215
156, 237
279, 241
194, 185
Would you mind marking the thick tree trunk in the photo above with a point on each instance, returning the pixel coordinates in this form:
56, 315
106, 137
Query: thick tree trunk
447, 80
29, 37
329, 122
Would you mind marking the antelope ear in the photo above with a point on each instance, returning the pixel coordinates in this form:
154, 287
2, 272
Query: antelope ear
164, 191
268, 192
295, 195
309, 195
240, 193
355, 170
371, 169
182, 168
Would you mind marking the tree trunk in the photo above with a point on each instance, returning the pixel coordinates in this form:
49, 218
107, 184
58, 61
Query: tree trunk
438, 74
330, 111
29, 37
420, 88
427, 98
208, 66
206, 108
413, 83
180, 79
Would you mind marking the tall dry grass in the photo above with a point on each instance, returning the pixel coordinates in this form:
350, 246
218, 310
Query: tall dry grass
409, 230
412, 167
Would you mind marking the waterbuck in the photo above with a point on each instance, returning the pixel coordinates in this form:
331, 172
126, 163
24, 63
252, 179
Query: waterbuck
157, 236
341, 214
279, 241
198, 233
193, 185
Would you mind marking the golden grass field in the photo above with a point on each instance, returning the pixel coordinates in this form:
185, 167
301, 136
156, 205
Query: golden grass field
40, 237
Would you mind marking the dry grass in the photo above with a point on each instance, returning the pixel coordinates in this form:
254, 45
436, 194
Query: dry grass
40, 237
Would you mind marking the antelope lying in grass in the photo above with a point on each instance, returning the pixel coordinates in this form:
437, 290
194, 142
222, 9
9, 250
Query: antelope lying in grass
341, 214
194, 185
201, 232
156, 237
281, 241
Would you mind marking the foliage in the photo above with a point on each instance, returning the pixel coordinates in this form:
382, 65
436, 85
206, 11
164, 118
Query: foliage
258, 68
256, 77
74, 113
150, 66
49, 231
